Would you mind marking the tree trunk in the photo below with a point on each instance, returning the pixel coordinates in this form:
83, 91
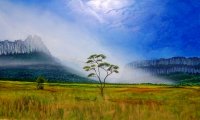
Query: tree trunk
102, 92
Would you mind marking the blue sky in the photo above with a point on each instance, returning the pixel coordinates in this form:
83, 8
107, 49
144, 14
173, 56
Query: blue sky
137, 28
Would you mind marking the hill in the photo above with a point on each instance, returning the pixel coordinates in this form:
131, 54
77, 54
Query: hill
28, 59
179, 69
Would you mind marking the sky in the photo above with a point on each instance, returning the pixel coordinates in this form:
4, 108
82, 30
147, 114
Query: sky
124, 30
139, 28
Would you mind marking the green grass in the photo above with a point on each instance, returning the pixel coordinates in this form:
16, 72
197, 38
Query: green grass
20, 100
183, 78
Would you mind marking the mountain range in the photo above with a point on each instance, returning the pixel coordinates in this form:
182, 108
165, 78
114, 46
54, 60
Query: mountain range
176, 68
27, 59
170, 65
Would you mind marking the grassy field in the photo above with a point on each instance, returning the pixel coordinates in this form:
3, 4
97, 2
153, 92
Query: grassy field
20, 100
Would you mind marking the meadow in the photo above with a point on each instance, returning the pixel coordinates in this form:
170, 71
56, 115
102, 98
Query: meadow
62, 101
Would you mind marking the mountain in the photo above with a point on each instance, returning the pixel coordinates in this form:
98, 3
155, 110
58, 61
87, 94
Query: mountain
29, 45
175, 68
27, 59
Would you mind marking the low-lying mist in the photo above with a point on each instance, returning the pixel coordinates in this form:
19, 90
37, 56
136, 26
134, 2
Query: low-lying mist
135, 75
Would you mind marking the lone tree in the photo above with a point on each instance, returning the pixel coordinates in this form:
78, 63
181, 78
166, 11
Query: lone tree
40, 82
100, 69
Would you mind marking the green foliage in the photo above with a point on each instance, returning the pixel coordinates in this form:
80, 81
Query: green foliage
40, 82
47, 66
101, 56
54, 73
104, 64
96, 64
183, 78
87, 68
91, 75
89, 61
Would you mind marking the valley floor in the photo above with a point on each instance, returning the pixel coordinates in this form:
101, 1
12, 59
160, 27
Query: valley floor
20, 100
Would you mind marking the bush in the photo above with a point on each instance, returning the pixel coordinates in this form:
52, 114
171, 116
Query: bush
40, 82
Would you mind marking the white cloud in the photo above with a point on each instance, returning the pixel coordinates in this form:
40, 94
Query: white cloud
101, 11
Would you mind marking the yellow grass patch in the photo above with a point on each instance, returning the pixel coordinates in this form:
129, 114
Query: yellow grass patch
21, 100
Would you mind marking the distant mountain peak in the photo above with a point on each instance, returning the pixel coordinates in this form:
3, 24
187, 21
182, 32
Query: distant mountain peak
29, 45
169, 65
33, 38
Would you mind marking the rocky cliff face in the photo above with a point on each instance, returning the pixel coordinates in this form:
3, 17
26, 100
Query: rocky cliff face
167, 66
29, 45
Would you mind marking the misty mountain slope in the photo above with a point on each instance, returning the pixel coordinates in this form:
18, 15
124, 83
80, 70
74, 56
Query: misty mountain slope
28, 59
54, 73
179, 69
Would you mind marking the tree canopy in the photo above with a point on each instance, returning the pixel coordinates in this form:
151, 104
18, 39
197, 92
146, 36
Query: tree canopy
96, 64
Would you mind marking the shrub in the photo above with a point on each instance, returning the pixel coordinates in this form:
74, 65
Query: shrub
40, 82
